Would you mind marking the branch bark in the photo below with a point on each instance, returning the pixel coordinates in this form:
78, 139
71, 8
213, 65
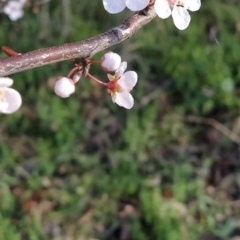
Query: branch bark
82, 49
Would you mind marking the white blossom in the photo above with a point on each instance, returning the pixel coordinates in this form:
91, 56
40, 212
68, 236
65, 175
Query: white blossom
14, 9
64, 87
121, 84
178, 10
116, 6
110, 62
10, 99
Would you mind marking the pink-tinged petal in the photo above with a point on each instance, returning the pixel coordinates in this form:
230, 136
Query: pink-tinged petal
193, 5
128, 80
110, 62
14, 100
5, 82
114, 6
136, 5
64, 87
121, 69
162, 8
124, 99
181, 17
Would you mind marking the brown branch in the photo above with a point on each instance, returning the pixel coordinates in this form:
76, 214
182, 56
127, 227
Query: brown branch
82, 49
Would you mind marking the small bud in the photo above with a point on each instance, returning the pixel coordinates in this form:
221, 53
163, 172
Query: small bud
110, 62
77, 77
64, 87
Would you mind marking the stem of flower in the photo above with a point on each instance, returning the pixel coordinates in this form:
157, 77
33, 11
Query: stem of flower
94, 62
72, 71
151, 3
96, 80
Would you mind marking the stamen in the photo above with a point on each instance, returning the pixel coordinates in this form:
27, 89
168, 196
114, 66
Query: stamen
180, 3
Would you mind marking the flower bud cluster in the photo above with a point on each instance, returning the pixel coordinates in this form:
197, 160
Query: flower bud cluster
119, 85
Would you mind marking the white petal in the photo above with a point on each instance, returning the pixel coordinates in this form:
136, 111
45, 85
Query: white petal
114, 6
121, 69
5, 82
136, 5
3, 106
193, 5
181, 17
14, 10
64, 87
14, 100
128, 80
124, 99
162, 8
16, 15
110, 62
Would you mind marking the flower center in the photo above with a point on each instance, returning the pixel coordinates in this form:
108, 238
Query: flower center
172, 3
112, 85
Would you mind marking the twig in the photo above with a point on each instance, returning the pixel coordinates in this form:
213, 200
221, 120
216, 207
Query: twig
82, 49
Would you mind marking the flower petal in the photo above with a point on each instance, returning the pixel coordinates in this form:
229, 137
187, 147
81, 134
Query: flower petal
114, 6
110, 62
14, 100
162, 8
128, 80
136, 5
193, 5
121, 69
124, 99
3, 106
6, 82
181, 17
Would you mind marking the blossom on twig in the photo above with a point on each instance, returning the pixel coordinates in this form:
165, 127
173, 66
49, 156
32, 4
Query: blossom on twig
121, 84
178, 10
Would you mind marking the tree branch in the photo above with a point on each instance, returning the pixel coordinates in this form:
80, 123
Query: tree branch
82, 49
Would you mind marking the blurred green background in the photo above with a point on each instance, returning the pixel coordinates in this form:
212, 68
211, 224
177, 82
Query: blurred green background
84, 168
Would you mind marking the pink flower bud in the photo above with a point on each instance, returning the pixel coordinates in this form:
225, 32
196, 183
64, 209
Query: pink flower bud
64, 87
110, 62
